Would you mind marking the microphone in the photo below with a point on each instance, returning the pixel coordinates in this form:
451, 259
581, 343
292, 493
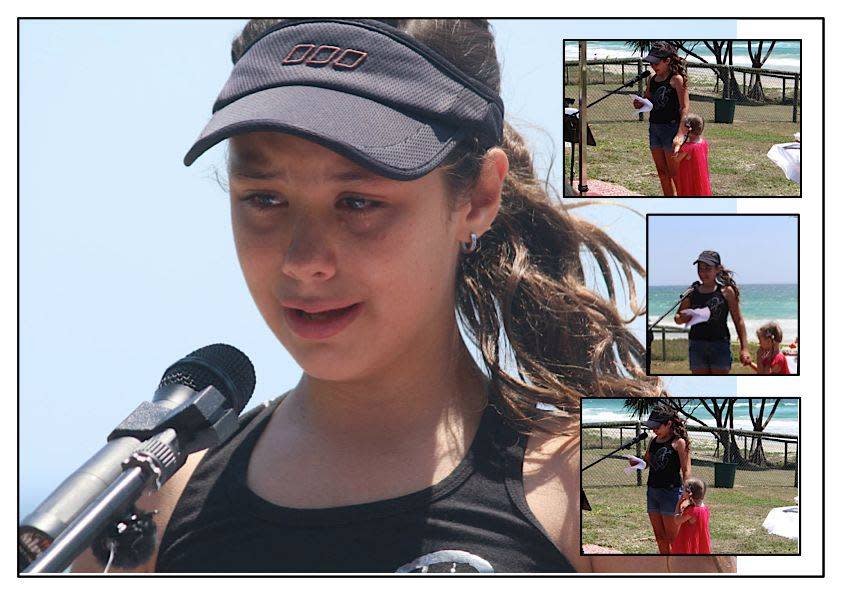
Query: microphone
639, 77
199, 397
690, 289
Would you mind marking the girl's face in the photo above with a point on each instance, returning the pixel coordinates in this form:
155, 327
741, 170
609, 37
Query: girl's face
350, 270
661, 68
766, 342
663, 431
707, 273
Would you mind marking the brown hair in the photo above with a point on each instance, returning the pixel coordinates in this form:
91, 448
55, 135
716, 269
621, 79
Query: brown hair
679, 427
771, 330
524, 288
695, 123
726, 278
696, 487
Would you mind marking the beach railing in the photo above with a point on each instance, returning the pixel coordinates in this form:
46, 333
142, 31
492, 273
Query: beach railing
761, 94
663, 330
761, 458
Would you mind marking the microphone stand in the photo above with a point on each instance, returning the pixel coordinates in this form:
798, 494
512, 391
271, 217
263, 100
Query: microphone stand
618, 89
204, 420
650, 333
583, 499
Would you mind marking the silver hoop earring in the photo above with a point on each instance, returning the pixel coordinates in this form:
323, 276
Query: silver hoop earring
467, 248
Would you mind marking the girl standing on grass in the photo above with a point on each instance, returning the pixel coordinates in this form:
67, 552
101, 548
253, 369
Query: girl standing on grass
378, 199
693, 518
668, 460
668, 92
770, 359
693, 177
710, 341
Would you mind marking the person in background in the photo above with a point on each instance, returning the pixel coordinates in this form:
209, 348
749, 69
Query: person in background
693, 177
693, 519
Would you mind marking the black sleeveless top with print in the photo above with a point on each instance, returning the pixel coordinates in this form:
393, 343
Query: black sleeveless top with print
664, 466
665, 106
475, 520
715, 329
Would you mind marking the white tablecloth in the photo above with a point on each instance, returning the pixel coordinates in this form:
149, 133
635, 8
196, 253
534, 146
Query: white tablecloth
787, 156
783, 521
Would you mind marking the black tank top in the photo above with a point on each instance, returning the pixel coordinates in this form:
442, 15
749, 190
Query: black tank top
715, 329
475, 520
664, 466
665, 106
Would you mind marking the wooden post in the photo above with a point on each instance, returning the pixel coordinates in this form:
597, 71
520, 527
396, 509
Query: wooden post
744, 82
664, 344
640, 86
623, 71
621, 435
797, 455
795, 98
783, 90
745, 447
786, 445
600, 437
603, 73
637, 431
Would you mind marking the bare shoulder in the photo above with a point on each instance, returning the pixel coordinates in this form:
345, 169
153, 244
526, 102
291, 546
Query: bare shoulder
677, 81
164, 502
551, 485
729, 293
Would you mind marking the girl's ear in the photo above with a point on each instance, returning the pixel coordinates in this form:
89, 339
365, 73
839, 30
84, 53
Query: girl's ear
478, 212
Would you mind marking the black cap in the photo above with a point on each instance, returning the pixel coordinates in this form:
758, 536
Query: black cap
361, 88
709, 257
656, 419
659, 51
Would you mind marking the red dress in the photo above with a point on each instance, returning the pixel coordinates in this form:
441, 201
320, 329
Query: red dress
693, 177
779, 359
693, 538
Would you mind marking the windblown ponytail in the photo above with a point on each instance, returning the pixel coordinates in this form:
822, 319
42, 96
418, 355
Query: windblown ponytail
726, 278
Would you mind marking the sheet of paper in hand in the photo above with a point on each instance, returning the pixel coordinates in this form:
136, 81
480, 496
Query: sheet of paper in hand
647, 105
638, 464
696, 316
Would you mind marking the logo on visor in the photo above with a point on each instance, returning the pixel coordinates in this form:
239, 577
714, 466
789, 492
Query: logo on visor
322, 55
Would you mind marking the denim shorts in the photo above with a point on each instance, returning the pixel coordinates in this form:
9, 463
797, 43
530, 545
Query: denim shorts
661, 135
663, 500
710, 355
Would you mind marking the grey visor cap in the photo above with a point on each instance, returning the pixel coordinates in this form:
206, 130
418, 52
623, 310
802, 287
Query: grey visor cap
399, 112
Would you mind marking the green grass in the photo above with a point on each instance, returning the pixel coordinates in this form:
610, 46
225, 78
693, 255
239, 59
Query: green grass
737, 159
677, 360
618, 520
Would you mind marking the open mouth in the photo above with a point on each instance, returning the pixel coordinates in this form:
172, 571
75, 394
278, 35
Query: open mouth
320, 325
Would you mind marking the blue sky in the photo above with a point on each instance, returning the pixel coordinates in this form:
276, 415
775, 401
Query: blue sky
759, 248
126, 256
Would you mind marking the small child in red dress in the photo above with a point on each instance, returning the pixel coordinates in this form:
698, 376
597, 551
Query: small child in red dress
693, 519
770, 359
693, 176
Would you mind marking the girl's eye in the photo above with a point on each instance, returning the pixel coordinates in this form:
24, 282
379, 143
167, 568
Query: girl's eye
263, 201
357, 204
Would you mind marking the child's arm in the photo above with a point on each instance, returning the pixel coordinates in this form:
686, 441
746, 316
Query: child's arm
682, 514
681, 156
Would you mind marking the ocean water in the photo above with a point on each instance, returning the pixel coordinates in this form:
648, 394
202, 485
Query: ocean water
785, 56
759, 304
785, 420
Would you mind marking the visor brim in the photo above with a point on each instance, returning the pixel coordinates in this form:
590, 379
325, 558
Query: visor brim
389, 142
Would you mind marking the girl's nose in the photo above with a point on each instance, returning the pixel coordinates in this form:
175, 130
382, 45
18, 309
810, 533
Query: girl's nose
309, 256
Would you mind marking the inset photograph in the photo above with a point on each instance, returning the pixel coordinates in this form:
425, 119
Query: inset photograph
682, 476
686, 118
722, 294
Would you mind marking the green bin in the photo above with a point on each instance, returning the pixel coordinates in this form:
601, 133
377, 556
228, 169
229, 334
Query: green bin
724, 474
723, 110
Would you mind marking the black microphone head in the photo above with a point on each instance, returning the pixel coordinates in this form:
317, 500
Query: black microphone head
227, 368
645, 74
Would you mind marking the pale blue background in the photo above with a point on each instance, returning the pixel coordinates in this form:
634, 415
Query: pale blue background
760, 249
126, 257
